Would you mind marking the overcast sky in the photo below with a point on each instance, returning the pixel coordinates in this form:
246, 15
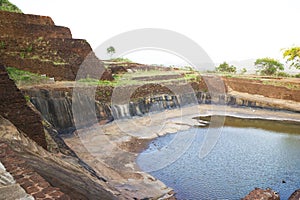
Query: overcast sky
228, 30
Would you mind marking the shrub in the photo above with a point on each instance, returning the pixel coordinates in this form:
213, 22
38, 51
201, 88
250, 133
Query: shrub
268, 66
297, 75
283, 74
224, 67
5, 5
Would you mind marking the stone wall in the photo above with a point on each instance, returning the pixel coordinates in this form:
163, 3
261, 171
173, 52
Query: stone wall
13, 107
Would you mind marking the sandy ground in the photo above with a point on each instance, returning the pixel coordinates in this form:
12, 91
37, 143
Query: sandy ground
112, 149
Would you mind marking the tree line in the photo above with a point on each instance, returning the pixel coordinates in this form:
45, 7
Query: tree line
268, 66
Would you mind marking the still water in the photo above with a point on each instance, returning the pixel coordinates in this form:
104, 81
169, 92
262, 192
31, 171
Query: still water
249, 153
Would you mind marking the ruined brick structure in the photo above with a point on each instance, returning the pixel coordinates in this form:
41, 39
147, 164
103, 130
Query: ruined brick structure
35, 44
13, 107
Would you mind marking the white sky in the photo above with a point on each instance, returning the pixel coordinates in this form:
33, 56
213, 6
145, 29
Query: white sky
228, 30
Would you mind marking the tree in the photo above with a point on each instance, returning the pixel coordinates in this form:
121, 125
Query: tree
243, 71
268, 66
224, 67
292, 55
5, 5
110, 51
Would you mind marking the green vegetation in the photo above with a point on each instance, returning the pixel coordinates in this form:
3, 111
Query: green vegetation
282, 84
268, 66
2, 45
27, 98
293, 56
92, 81
282, 74
29, 48
224, 67
25, 77
22, 54
243, 71
133, 78
5, 5
192, 76
110, 51
125, 60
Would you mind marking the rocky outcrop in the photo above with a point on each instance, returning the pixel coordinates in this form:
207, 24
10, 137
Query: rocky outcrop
56, 107
9, 189
26, 177
35, 44
295, 195
43, 174
261, 194
13, 107
55, 104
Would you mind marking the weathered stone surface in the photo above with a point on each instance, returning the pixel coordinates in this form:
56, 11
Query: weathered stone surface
6, 179
13, 107
43, 174
13, 192
295, 195
261, 194
9, 189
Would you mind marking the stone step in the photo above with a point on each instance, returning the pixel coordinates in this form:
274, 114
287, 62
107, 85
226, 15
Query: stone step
25, 18
34, 30
54, 49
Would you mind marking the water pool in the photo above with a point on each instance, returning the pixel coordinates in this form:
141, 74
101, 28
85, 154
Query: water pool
249, 153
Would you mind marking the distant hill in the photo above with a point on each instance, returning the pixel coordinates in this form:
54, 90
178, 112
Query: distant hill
5, 5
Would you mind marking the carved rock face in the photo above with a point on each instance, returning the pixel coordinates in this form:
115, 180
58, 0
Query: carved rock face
260, 194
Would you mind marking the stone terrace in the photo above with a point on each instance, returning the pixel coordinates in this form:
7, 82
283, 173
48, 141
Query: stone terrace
35, 44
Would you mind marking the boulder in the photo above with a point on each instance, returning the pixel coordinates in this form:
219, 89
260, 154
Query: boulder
295, 195
261, 194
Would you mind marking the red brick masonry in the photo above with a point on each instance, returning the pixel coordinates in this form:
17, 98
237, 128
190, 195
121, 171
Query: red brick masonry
31, 181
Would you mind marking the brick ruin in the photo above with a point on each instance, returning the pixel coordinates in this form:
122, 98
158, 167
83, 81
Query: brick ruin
13, 106
34, 43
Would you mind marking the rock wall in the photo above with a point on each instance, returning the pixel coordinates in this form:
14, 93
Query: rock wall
257, 87
35, 44
45, 175
56, 104
56, 107
13, 107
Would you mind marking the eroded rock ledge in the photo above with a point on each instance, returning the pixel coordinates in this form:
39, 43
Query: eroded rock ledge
43, 174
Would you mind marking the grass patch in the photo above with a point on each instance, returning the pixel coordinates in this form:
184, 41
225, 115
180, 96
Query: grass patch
128, 78
22, 77
125, 60
92, 81
282, 84
5, 5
